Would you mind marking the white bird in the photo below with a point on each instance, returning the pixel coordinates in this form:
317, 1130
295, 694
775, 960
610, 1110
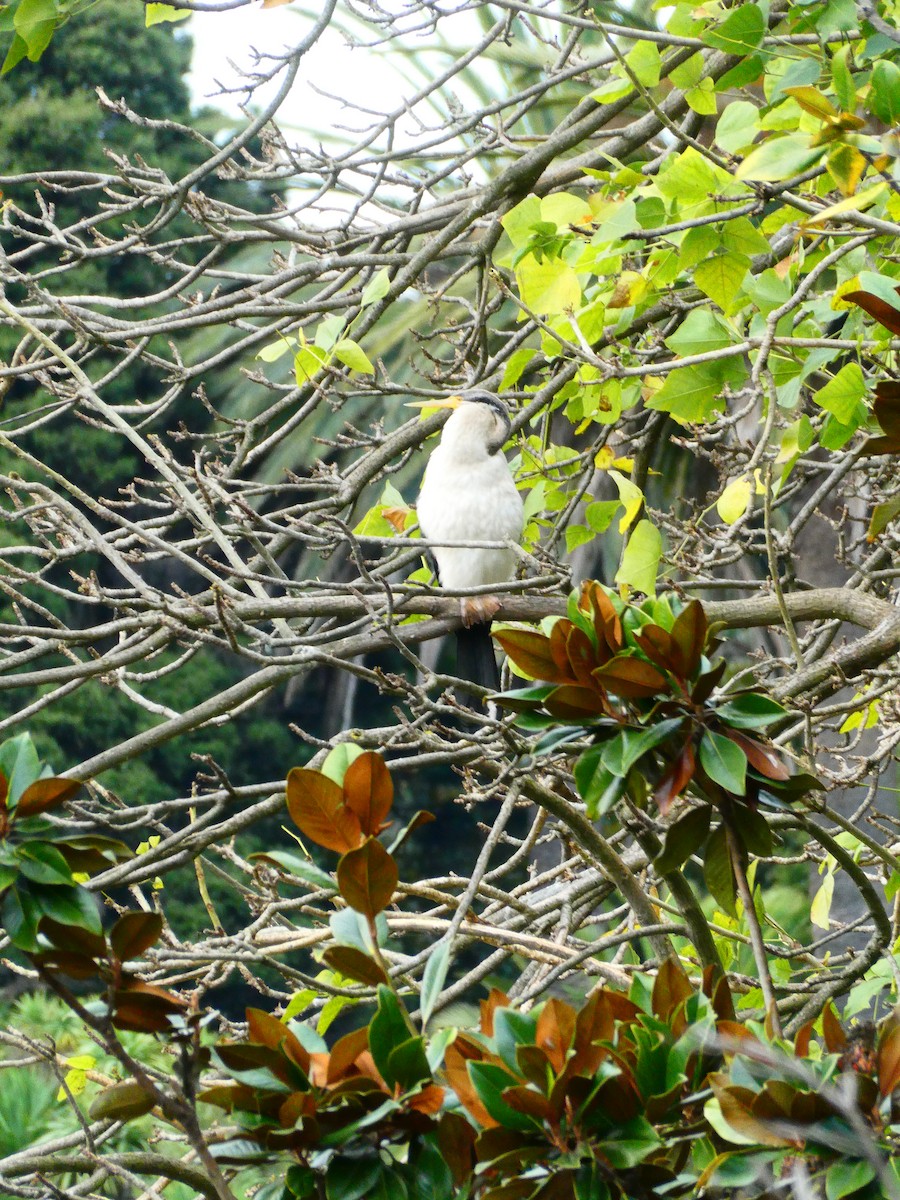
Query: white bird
468, 494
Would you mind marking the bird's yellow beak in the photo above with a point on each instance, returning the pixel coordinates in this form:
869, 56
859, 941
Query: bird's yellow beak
450, 402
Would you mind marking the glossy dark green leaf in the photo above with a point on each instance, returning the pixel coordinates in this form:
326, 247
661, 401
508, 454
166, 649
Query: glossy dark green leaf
388, 1029
847, 1176
19, 916
751, 710
718, 871
43, 863
753, 830
512, 1029
685, 837
598, 787
408, 1065
490, 1081
70, 906
724, 762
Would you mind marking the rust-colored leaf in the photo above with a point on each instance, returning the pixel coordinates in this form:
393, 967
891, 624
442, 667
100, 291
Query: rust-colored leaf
430, 1100
632, 678
607, 625
889, 1061
456, 1059
145, 1008
572, 702
881, 310
802, 1040
369, 792
496, 999
345, 1052
555, 1030
265, 1030
355, 964
531, 1103
833, 1030
72, 939
530, 651
670, 989
367, 878
45, 794
662, 649
689, 633
735, 1103
762, 758
317, 808
715, 986
887, 413
135, 932
299, 1106
456, 1142
676, 778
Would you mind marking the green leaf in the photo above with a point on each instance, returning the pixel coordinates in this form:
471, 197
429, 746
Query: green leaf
692, 395
154, 14
340, 757
433, 978
640, 561
388, 1029
512, 1029
308, 362
599, 787
742, 237
519, 222
740, 32
408, 1064
515, 367
718, 872
377, 287
884, 94
20, 764
19, 916
490, 1081
42, 863
842, 395
549, 287
750, 711
721, 276
847, 1176
842, 78
684, 838
34, 22
700, 331
645, 61
820, 909
71, 906
737, 126
779, 158
352, 355
295, 864
629, 1143
724, 762
599, 515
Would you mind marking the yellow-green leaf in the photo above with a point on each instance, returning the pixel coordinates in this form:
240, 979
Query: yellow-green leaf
154, 14
548, 288
640, 562
352, 355
632, 498
733, 502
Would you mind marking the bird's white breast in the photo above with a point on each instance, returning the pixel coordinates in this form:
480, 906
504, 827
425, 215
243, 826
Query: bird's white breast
470, 499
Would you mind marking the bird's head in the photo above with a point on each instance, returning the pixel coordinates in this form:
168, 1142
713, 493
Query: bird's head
478, 416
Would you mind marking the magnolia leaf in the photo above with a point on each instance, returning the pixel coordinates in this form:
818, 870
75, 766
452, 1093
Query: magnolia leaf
317, 808
724, 762
367, 878
369, 791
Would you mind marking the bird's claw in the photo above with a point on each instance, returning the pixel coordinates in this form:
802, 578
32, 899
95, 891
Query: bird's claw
474, 610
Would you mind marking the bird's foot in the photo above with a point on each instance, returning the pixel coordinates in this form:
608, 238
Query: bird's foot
476, 609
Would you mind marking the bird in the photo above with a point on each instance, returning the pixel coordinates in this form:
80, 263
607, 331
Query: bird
468, 494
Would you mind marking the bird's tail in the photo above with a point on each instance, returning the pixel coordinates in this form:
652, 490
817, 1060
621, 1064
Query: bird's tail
475, 661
